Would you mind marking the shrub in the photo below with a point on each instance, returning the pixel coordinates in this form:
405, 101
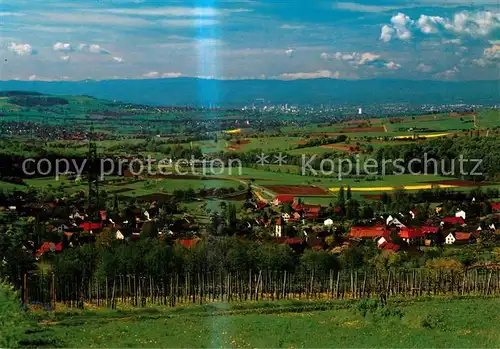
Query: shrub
13, 322
434, 321
387, 312
366, 306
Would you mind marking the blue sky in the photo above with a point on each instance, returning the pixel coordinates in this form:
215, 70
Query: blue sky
237, 39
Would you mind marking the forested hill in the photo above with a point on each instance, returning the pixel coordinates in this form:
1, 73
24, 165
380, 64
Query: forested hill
235, 93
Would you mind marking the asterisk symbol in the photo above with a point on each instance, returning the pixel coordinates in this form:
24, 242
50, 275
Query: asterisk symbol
280, 159
262, 159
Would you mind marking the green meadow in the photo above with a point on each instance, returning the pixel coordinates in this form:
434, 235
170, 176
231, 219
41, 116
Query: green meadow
424, 323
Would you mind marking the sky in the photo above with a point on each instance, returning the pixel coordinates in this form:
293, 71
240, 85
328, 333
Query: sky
453, 40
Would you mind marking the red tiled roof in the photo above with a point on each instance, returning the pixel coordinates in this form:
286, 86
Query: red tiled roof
312, 211
463, 236
454, 220
368, 232
49, 246
90, 226
389, 246
284, 198
411, 233
261, 204
429, 229
188, 243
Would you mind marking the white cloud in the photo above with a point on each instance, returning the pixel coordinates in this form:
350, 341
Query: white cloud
155, 74
480, 23
289, 52
151, 74
392, 66
492, 52
424, 68
430, 24
291, 27
481, 62
118, 59
452, 41
475, 24
368, 57
314, 75
355, 7
448, 74
21, 49
354, 58
490, 55
63, 47
326, 56
32, 77
97, 49
11, 14
387, 33
400, 24
171, 75
65, 58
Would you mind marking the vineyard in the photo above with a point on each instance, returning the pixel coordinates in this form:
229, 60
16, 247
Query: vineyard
46, 291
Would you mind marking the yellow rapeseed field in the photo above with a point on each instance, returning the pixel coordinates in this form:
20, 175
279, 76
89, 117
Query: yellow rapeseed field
436, 135
406, 187
238, 130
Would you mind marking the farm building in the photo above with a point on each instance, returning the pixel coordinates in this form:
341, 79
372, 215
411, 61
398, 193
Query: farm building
462, 238
412, 235
453, 220
283, 199
374, 232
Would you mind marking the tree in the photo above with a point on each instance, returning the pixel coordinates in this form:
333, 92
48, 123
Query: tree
13, 323
341, 196
231, 217
352, 209
106, 237
287, 207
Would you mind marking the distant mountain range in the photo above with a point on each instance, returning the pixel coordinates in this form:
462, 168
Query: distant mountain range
236, 93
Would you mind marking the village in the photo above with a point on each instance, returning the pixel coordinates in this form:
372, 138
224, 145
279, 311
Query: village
65, 223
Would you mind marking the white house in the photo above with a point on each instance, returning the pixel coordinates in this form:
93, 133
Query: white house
278, 228
119, 235
396, 223
381, 240
286, 217
461, 214
328, 222
388, 220
450, 239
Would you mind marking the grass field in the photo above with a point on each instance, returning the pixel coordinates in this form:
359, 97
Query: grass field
424, 323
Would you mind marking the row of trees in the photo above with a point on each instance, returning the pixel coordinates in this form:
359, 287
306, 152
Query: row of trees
152, 258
